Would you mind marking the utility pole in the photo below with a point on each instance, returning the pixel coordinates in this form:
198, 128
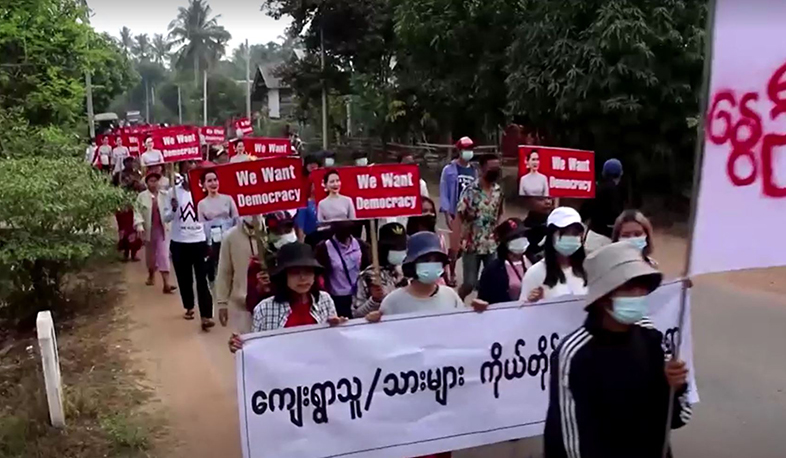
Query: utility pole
179, 107
204, 100
248, 81
153, 100
91, 123
147, 103
324, 88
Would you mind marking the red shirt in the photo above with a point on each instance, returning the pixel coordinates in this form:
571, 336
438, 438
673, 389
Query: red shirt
301, 314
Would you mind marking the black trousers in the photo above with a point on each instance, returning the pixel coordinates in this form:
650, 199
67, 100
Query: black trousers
188, 259
212, 261
343, 305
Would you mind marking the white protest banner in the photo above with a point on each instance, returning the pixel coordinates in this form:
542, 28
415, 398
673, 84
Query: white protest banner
742, 198
412, 385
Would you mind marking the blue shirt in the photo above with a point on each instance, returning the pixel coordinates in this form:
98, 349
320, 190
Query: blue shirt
306, 217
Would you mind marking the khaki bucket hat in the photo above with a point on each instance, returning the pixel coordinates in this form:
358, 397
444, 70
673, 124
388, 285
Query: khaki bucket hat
614, 265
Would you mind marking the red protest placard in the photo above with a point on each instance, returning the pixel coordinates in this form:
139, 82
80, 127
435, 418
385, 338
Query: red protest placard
178, 143
257, 187
556, 172
243, 126
133, 142
212, 135
373, 191
264, 147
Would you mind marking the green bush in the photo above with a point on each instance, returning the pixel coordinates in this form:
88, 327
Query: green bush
54, 218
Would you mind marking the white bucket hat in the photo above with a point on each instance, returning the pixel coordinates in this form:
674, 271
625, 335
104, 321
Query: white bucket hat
563, 217
614, 265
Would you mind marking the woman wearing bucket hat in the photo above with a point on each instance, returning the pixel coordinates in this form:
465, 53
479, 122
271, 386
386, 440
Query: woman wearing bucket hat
373, 288
561, 271
424, 265
501, 280
609, 386
297, 300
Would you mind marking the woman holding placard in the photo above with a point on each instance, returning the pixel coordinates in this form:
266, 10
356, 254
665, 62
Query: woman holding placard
218, 213
561, 272
334, 207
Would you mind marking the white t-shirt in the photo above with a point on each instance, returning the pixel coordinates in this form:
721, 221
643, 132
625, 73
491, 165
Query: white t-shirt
151, 157
423, 188
536, 275
534, 184
118, 155
90, 153
104, 154
400, 301
186, 227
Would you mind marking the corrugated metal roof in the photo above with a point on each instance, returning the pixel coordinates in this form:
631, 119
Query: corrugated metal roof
268, 76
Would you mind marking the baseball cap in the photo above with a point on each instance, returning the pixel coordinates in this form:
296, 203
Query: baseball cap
563, 217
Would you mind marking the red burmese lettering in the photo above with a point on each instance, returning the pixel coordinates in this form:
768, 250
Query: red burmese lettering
722, 96
744, 147
775, 91
769, 187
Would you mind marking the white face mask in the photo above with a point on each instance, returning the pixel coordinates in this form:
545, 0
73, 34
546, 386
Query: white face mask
518, 246
363, 161
329, 162
638, 242
467, 154
396, 258
289, 237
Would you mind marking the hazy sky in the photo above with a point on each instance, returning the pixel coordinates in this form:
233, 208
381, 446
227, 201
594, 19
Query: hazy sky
242, 18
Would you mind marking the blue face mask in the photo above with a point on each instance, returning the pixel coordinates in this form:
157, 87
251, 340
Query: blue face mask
329, 162
638, 242
628, 310
396, 258
429, 272
566, 245
467, 155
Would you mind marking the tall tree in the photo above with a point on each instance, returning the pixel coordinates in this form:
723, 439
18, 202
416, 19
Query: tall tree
142, 47
200, 39
160, 49
126, 40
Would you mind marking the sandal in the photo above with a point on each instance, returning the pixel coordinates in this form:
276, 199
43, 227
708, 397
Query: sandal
189, 314
150, 282
207, 323
169, 289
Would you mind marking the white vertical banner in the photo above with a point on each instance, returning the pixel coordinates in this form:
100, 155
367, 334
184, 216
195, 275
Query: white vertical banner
413, 385
742, 196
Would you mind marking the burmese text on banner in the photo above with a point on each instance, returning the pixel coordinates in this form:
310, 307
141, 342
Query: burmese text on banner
742, 197
257, 187
413, 385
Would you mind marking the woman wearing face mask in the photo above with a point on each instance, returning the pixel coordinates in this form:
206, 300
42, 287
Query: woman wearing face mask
633, 227
372, 289
344, 257
280, 231
561, 272
218, 214
609, 384
360, 158
501, 280
334, 207
297, 300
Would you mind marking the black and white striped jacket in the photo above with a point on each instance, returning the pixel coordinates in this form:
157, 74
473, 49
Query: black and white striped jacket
609, 394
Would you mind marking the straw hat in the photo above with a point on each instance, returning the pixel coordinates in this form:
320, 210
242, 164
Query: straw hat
614, 265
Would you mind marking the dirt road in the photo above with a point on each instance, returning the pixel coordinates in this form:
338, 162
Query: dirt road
738, 326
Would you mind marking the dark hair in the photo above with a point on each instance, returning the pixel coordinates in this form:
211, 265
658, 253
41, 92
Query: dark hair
91, 140
204, 175
359, 154
310, 159
146, 137
554, 272
485, 158
403, 155
283, 293
128, 159
327, 175
531, 152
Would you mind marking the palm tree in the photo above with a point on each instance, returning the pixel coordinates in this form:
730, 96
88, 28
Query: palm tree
161, 49
126, 42
201, 40
141, 47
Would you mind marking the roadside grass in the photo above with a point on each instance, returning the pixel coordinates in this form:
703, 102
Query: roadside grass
108, 406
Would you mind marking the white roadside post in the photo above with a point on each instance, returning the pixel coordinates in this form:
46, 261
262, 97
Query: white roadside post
47, 342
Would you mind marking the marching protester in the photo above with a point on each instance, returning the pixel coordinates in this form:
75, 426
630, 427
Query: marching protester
306, 221
477, 214
129, 242
360, 158
456, 176
189, 250
633, 227
561, 271
240, 152
609, 387
329, 158
218, 213
373, 288
220, 156
343, 256
91, 152
501, 279
150, 212
601, 212
539, 209
407, 158
334, 207
310, 164
105, 155
425, 222
163, 182
151, 156
298, 300
118, 155
238, 249
280, 231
